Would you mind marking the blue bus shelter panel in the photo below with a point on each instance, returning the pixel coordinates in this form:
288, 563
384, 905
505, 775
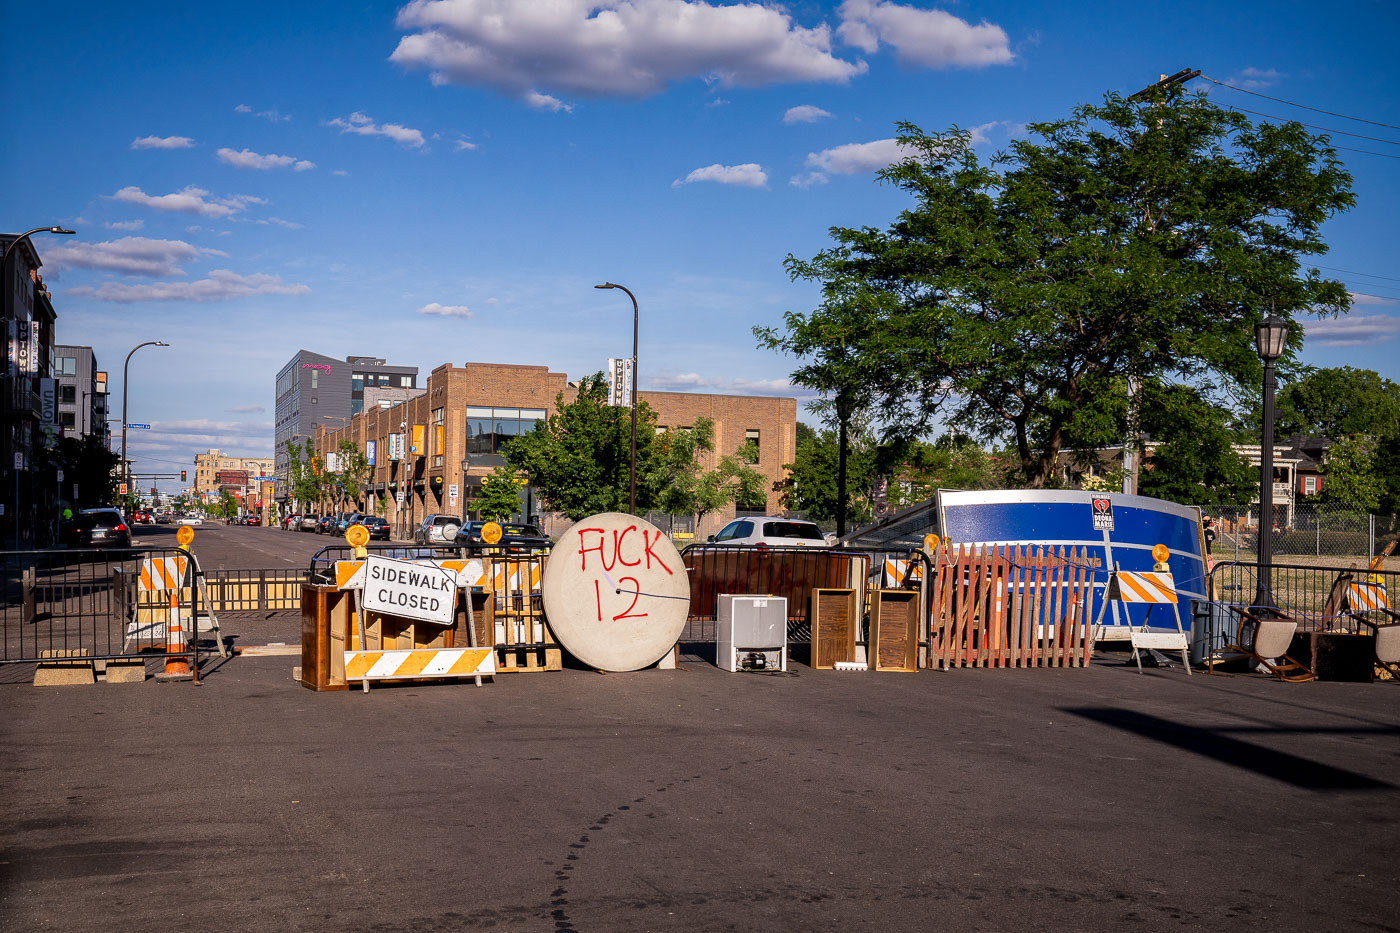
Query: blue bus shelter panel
1065, 519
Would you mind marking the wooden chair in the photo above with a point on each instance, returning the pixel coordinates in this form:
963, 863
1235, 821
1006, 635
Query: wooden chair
1387, 632
1267, 642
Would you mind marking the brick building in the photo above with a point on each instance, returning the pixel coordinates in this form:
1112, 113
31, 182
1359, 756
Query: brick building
469, 412
216, 471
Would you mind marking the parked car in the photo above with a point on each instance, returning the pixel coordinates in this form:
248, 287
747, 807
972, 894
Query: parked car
292, 522
377, 527
100, 528
164, 518
773, 531
253, 520
437, 529
189, 520
515, 536
325, 525
308, 523
346, 519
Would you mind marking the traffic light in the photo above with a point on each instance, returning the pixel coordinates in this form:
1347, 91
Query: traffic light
182, 476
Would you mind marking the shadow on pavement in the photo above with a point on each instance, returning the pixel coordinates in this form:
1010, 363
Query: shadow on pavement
1211, 743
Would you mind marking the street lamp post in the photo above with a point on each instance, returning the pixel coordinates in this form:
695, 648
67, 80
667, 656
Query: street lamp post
632, 468
126, 469
5, 313
1270, 337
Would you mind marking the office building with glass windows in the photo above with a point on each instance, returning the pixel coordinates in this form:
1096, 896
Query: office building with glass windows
313, 389
82, 393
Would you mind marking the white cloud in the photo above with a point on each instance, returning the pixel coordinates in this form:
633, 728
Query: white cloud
460, 145
607, 48
124, 224
362, 125
807, 180
854, 158
1256, 78
445, 310
162, 142
246, 409
805, 113
1360, 298
340, 171
546, 102
1353, 330
190, 200
130, 255
247, 158
278, 221
929, 38
271, 116
748, 175
222, 284
691, 382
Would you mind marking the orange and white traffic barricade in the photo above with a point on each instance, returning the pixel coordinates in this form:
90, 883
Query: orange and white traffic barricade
1150, 588
1367, 595
391, 600
162, 598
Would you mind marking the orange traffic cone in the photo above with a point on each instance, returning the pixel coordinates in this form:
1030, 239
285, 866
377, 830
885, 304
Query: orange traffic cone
177, 666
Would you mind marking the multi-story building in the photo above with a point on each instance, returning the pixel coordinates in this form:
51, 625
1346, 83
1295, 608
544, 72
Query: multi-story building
216, 472
82, 393
27, 487
469, 412
313, 390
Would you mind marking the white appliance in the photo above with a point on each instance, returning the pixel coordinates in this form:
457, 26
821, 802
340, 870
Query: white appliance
751, 633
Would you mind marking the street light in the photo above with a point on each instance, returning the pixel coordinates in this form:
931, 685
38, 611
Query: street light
632, 468
1270, 337
126, 469
5, 313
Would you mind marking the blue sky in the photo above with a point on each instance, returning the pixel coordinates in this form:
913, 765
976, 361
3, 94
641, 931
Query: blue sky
445, 181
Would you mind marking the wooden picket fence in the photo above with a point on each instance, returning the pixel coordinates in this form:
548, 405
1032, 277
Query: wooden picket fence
1017, 606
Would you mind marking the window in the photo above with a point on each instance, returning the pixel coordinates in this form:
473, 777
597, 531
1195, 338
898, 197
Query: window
66, 366
751, 445
1309, 485
68, 395
385, 404
357, 382
315, 378
67, 419
488, 429
406, 382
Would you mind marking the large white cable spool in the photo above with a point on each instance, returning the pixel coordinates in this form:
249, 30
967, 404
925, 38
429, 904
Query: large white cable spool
615, 592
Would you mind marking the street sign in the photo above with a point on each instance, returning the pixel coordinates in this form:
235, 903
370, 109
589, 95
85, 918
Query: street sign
145, 426
121, 489
414, 591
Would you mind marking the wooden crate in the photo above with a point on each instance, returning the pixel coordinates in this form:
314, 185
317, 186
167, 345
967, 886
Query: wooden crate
894, 630
835, 627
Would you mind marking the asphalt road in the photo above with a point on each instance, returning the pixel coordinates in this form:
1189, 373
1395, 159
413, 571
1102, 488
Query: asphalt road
696, 800
238, 547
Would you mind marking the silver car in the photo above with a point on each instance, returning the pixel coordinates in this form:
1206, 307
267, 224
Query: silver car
764, 531
437, 529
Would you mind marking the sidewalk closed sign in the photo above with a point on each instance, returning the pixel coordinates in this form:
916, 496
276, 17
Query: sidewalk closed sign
413, 591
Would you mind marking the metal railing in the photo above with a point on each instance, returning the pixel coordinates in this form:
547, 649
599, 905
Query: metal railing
792, 573
1318, 598
91, 605
263, 590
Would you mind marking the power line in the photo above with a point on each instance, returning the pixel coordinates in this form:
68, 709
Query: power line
1383, 155
1328, 129
1330, 113
1369, 275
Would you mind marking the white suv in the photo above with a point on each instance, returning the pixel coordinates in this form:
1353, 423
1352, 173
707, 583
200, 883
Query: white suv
773, 532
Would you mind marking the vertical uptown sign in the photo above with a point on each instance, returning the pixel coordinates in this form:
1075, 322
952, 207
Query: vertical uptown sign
620, 383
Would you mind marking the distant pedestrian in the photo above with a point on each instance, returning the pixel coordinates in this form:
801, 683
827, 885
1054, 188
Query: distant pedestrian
1208, 530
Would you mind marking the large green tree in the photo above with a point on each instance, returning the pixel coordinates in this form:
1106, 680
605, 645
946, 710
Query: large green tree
1133, 239
500, 496
88, 466
1337, 402
1193, 460
1351, 475
579, 458
811, 485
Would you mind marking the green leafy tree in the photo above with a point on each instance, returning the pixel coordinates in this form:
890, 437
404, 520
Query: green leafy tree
1136, 238
227, 506
1194, 461
1337, 402
1351, 475
579, 458
675, 480
305, 475
951, 462
811, 485
500, 496
352, 475
87, 464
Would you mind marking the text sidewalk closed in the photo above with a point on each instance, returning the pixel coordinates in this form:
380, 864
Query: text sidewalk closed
413, 591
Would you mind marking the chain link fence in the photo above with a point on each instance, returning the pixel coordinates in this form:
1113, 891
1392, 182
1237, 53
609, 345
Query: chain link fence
1302, 530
